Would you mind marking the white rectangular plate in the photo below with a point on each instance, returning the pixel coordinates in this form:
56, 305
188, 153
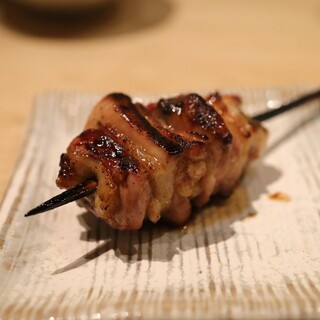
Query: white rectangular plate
253, 255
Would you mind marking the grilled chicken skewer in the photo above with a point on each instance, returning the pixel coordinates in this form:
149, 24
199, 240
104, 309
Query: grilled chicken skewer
134, 162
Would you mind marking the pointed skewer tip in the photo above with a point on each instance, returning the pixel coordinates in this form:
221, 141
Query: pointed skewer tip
77, 192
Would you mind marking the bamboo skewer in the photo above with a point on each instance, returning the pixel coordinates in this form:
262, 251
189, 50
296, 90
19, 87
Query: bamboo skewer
77, 192
288, 106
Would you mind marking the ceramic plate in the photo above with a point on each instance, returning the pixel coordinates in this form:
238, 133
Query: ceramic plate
253, 255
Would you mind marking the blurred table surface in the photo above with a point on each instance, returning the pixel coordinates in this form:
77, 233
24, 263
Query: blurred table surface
149, 47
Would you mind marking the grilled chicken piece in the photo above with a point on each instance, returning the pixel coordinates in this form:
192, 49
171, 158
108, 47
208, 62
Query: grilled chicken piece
159, 160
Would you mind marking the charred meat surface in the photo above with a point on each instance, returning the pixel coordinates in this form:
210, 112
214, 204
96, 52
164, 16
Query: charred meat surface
159, 160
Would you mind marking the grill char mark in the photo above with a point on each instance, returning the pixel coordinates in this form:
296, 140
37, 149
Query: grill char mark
104, 149
198, 112
130, 112
66, 168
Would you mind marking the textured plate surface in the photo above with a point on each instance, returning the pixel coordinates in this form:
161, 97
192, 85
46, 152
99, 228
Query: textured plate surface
253, 255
